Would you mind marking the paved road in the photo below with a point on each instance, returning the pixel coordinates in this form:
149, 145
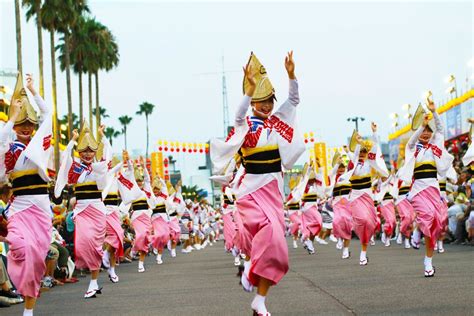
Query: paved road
204, 283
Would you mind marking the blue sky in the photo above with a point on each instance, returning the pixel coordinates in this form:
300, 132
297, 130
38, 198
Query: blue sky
352, 58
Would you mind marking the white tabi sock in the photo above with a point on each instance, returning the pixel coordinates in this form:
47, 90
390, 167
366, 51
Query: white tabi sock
112, 272
428, 263
363, 255
416, 236
258, 304
247, 265
140, 265
27, 312
345, 251
93, 285
158, 257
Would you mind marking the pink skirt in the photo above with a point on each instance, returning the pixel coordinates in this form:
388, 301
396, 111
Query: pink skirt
262, 215
388, 214
114, 233
444, 215
89, 237
342, 223
295, 223
175, 231
230, 230
364, 217
29, 234
239, 230
407, 216
142, 227
311, 222
161, 232
428, 208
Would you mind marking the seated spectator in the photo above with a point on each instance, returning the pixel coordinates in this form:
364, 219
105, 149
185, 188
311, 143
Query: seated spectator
7, 295
457, 210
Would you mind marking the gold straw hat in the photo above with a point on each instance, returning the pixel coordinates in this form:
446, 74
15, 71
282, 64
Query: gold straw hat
264, 89
86, 139
27, 113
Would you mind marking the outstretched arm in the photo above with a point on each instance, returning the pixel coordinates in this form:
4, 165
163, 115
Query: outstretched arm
45, 110
249, 75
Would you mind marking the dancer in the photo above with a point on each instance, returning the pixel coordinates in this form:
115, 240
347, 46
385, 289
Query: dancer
426, 157
367, 158
339, 191
265, 141
24, 162
176, 202
405, 209
387, 210
308, 191
134, 191
114, 232
159, 218
88, 178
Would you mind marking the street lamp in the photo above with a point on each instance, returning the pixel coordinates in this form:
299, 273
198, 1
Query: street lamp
451, 90
407, 108
356, 121
394, 117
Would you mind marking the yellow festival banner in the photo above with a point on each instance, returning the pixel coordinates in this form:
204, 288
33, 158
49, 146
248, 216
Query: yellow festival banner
157, 167
321, 155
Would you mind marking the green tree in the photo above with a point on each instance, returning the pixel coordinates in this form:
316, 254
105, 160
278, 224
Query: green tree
146, 109
124, 121
109, 59
34, 10
111, 133
103, 113
69, 13
80, 50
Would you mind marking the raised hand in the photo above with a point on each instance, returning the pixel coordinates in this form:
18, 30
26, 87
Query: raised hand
125, 156
290, 65
75, 135
429, 103
373, 125
101, 130
470, 120
30, 83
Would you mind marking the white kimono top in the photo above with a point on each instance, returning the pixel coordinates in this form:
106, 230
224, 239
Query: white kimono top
17, 160
252, 135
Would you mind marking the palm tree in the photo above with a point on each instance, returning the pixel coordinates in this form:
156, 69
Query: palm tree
54, 16
94, 60
50, 22
80, 48
103, 113
146, 109
191, 192
111, 133
18, 36
124, 121
70, 12
34, 9
109, 59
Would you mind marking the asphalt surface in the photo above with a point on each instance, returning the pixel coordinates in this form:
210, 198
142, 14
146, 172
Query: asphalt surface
204, 283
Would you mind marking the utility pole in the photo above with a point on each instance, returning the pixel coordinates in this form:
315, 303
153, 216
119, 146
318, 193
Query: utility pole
356, 121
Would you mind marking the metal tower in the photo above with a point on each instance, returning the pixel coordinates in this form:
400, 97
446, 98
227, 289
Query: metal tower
225, 105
